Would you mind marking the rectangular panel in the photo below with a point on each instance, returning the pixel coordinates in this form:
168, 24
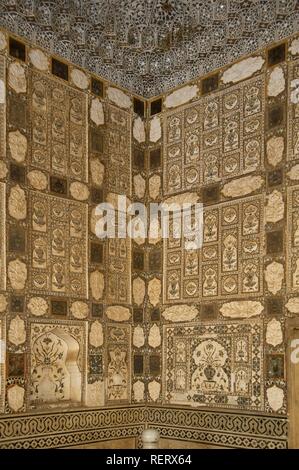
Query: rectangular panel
229, 264
2, 238
119, 151
219, 139
57, 363
58, 246
118, 362
2, 364
293, 239
58, 127
217, 365
293, 111
2, 108
119, 270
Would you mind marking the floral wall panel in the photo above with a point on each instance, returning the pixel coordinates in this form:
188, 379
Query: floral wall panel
58, 246
58, 364
214, 364
2, 237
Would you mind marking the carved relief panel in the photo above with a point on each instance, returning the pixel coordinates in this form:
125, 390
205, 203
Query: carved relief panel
119, 151
293, 111
57, 364
118, 369
58, 246
221, 138
119, 270
58, 127
293, 241
220, 365
2, 364
2, 108
229, 264
2, 238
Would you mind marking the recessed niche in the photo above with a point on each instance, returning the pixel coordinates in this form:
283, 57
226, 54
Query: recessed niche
58, 185
97, 87
276, 54
17, 49
155, 158
57, 364
156, 107
209, 84
139, 107
60, 69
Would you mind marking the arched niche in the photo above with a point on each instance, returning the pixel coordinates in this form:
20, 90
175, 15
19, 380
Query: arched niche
55, 373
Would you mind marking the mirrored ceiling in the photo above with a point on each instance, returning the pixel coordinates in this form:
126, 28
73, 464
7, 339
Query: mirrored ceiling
150, 46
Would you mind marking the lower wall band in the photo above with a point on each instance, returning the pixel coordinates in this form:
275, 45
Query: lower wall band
82, 427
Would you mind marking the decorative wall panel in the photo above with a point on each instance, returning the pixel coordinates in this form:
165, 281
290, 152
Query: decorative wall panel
214, 364
230, 262
57, 366
2, 365
58, 127
293, 110
216, 140
293, 245
58, 246
119, 151
119, 268
2, 238
118, 363
2, 107
220, 428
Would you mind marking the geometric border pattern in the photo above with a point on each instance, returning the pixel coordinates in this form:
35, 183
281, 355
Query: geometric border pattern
86, 426
70, 428
223, 429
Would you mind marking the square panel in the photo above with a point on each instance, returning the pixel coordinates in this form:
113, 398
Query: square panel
17, 303
276, 54
17, 173
59, 307
209, 84
219, 365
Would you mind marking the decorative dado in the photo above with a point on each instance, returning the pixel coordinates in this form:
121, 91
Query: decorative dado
217, 428
86, 426
70, 427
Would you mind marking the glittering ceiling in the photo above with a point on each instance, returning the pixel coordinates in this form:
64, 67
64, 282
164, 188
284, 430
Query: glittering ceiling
150, 46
